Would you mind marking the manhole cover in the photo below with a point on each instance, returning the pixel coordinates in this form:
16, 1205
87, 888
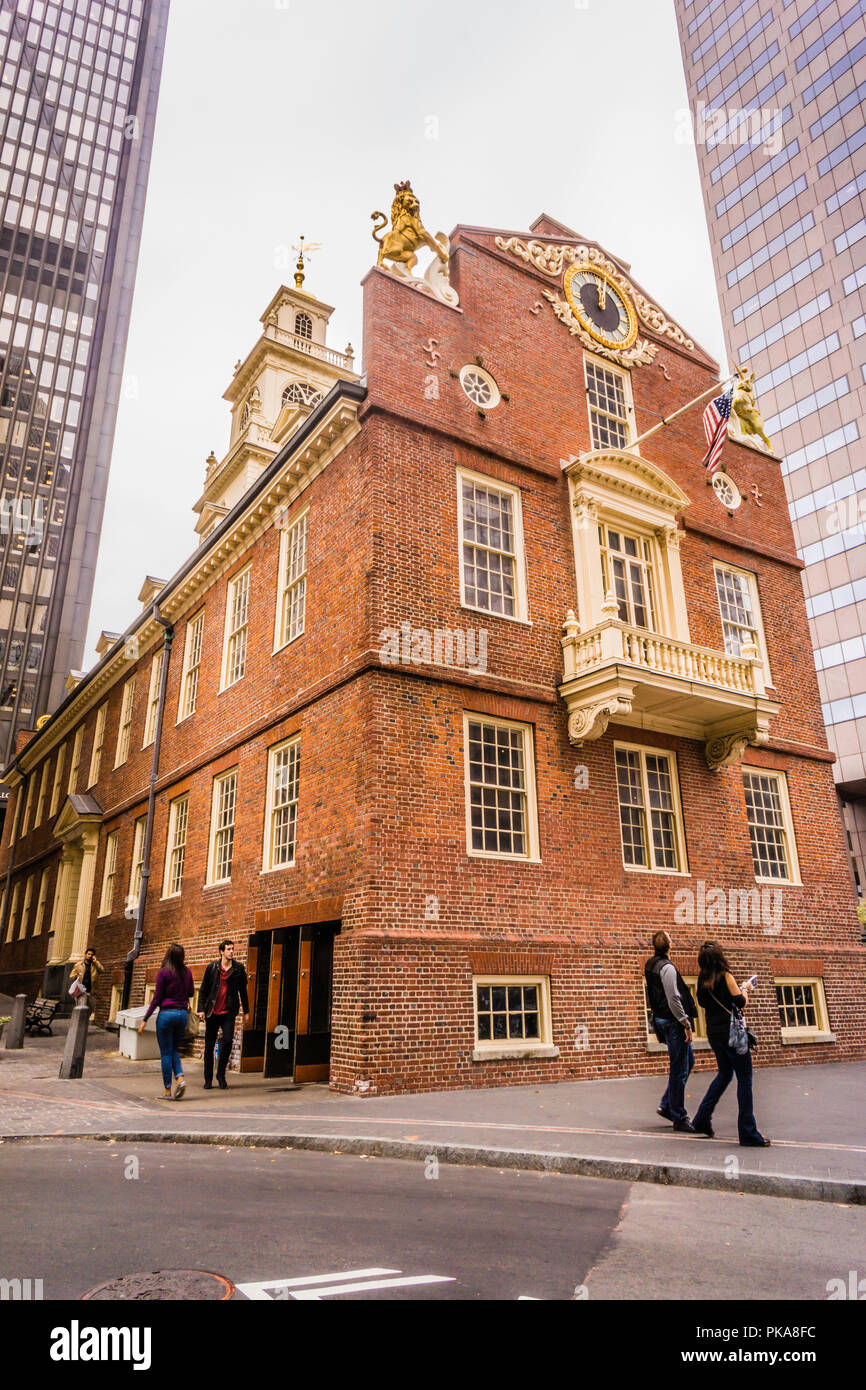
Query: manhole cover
188, 1285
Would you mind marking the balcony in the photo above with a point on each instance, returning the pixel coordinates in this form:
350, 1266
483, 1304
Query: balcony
639, 678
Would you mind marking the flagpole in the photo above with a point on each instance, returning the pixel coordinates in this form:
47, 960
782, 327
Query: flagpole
702, 397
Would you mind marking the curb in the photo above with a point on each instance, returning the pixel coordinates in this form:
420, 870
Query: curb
851, 1192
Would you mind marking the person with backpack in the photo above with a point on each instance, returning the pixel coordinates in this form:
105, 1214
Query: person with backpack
174, 988
723, 1000
673, 1010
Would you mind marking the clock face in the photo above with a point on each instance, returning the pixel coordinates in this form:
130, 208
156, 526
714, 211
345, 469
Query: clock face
600, 306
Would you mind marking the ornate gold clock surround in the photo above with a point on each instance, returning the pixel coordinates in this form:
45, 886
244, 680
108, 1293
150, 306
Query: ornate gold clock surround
598, 272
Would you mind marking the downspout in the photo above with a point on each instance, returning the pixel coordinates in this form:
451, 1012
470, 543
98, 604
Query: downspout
151, 802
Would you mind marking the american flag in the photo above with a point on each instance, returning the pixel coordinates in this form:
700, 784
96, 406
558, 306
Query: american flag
716, 417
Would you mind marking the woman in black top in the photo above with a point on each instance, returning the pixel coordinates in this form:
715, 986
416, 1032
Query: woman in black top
718, 993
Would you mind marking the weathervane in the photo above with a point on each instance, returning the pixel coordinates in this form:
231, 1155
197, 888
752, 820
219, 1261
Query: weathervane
304, 250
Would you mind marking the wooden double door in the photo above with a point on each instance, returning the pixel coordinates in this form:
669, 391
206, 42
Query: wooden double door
290, 973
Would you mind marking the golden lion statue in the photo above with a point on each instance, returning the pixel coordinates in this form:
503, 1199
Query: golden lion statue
745, 407
407, 233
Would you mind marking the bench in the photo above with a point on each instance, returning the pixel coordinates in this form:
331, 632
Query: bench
40, 1016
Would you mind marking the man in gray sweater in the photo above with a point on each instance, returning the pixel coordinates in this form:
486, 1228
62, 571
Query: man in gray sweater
673, 1010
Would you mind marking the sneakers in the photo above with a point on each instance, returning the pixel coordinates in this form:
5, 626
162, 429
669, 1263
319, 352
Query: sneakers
665, 1114
180, 1088
684, 1127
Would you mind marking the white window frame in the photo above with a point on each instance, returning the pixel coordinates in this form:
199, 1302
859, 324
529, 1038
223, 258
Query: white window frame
821, 1032
268, 863
629, 421
43, 794
679, 826
13, 912
25, 910
790, 839
28, 805
153, 698
136, 863
193, 644
174, 846
287, 586
647, 562
232, 633
533, 854
521, 601
755, 599
109, 874
41, 902
98, 741
121, 752
231, 773
75, 764
16, 816
699, 1025
486, 1049
58, 780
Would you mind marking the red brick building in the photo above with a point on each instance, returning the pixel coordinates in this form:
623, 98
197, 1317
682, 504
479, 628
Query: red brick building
465, 698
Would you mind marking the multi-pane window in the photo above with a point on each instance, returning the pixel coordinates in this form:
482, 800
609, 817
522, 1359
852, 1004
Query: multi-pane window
237, 627
137, 862
609, 410
511, 1009
735, 604
25, 911
802, 1006
41, 904
770, 826
178, 817
74, 766
153, 698
43, 794
281, 823
13, 912
223, 827
96, 750
58, 780
28, 805
491, 548
109, 874
303, 326
122, 751
627, 569
292, 598
649, 810
191, 666
499, 773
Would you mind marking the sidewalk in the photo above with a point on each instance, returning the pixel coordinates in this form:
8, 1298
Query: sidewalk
815, 1116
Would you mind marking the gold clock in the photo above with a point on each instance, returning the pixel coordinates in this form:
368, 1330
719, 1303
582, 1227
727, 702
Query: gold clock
602, 309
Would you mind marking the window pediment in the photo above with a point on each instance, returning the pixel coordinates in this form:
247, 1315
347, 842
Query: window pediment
622, 480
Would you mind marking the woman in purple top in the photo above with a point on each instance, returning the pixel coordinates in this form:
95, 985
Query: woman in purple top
174, 987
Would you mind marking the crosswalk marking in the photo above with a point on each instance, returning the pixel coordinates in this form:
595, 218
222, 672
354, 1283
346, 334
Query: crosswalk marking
318, 1286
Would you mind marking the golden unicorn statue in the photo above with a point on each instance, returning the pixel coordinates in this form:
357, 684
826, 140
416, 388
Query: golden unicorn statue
745, 407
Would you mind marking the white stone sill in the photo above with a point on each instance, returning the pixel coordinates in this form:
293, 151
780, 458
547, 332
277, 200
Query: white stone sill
793, 1039
495, 1054
699, 1045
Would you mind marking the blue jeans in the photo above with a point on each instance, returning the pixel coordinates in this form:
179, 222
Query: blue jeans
170, 1033
682, 1061
729, 1064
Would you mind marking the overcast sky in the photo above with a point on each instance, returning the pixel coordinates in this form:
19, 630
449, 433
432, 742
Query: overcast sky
280, 117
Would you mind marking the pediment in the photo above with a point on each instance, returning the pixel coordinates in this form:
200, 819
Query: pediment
79, 812
615, 472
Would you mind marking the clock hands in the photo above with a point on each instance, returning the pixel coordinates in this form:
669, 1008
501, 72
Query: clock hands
602, 295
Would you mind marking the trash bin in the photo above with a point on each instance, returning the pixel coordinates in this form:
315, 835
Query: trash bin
140, 1047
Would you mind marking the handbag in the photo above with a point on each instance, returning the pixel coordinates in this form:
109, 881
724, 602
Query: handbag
740, 1038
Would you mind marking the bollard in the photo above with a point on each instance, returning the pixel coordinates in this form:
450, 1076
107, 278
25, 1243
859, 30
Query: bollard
15, 1027
72, 1066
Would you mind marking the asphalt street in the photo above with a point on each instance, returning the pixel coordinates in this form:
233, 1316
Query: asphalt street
295, 1225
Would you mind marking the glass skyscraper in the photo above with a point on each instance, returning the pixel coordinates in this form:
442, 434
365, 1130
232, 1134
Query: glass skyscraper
78, 88
777, 90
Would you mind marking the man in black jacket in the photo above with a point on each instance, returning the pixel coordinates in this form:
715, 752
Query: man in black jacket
673, 1010
223, 990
